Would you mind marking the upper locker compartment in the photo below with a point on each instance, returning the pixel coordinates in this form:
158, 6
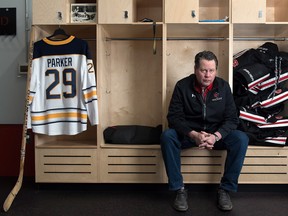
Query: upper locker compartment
57, 12
248, 11
185, 12
194, 11
259, 11
50, 12
129, 11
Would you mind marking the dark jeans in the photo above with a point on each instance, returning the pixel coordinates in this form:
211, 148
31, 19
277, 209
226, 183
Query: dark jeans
236, 143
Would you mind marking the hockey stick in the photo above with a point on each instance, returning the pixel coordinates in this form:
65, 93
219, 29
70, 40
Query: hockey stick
10, 198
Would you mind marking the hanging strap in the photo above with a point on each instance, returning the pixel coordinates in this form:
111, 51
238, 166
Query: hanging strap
272, 94
154, 37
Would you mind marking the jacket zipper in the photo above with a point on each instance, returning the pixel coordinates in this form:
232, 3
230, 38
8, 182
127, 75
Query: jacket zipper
204, 107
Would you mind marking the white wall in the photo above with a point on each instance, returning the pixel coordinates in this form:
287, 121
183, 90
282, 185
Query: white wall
13, 51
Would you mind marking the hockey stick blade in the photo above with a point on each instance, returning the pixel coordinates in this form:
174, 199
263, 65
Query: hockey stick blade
10, 198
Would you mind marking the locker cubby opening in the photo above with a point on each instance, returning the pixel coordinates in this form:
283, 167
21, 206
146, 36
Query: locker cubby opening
149, 9
276, 11
213, 10
130, 74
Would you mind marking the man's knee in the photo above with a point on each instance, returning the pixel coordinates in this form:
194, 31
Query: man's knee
167, 135
241, 139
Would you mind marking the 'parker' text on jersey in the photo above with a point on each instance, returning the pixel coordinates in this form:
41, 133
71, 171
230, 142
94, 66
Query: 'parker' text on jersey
59, 62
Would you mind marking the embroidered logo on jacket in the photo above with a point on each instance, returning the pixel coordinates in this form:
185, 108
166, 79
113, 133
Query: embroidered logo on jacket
216, 97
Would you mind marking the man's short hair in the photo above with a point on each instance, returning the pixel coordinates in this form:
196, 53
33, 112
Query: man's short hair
207, 55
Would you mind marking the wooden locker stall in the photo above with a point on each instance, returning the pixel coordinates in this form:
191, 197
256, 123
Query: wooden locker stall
130, 88
184, 40
65, 158
266, 22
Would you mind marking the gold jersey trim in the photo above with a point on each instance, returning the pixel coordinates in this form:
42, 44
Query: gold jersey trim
58, 42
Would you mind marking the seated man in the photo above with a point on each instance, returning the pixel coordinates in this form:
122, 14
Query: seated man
202, 113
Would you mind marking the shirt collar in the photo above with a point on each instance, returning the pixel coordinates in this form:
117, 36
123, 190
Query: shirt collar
198, 88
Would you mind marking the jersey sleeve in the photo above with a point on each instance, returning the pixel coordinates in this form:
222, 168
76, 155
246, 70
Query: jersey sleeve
89, 90
33, 83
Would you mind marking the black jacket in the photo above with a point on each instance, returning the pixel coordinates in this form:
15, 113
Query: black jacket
187, 110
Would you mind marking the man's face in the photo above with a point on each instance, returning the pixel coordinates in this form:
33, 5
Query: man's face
206, 72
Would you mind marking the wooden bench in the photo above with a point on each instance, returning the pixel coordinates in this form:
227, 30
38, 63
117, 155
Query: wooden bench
267, 165
144, 164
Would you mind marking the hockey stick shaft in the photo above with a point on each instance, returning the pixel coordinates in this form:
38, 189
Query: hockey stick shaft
10, 198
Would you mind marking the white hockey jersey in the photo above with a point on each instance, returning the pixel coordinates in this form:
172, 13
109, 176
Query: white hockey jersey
62, 93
